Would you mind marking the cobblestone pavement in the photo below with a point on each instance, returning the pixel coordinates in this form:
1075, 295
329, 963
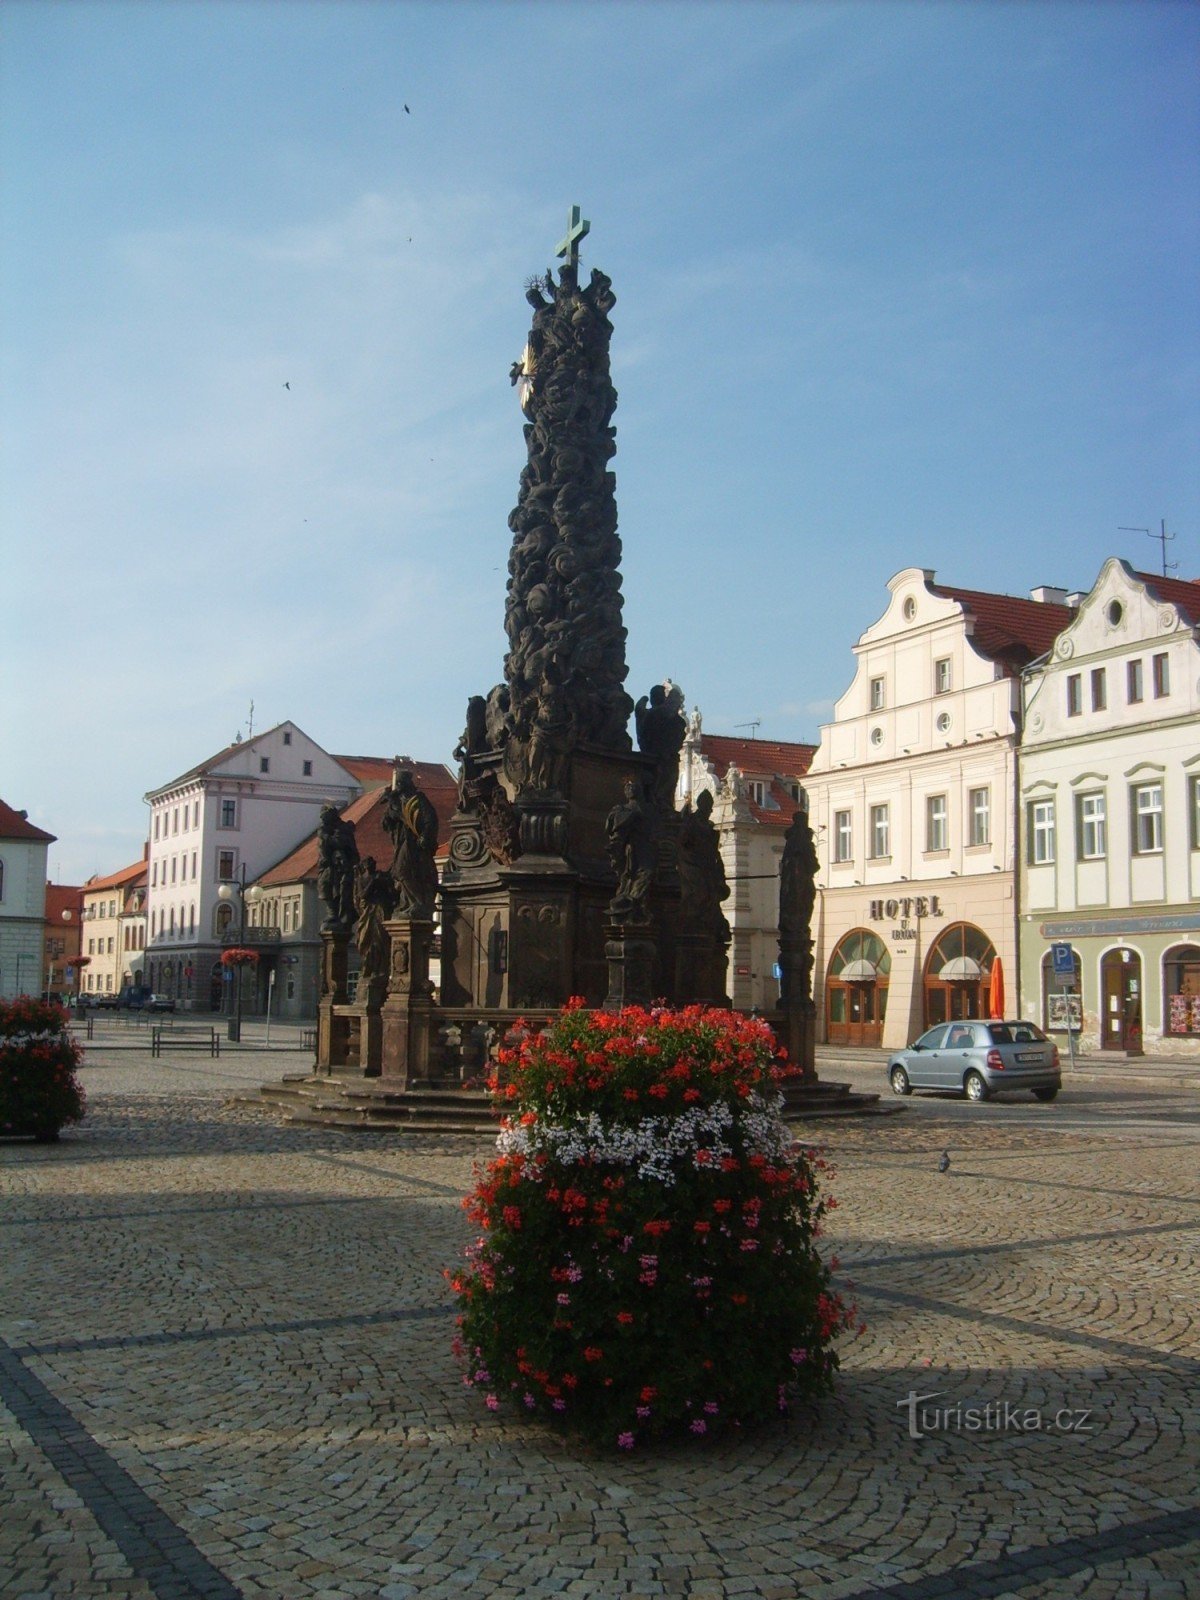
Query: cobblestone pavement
225, 1371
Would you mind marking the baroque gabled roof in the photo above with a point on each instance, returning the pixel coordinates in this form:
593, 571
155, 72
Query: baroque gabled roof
1007, 628
16, 825
366, 813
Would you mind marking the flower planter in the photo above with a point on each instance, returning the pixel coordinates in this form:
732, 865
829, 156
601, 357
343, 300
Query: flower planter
647, 1265
39, 1092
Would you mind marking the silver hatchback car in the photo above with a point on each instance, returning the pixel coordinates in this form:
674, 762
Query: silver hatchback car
978, 1059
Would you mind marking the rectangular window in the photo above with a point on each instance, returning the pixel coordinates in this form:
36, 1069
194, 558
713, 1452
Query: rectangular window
225, 864
877, 694
229, 813
287, 737
1041, 833
196, 815
1147, 819
756, 791
1194, 810
880, 846
308, 769
1133, 682
843, 837
193, 866
156, 819
175, 820
936, 832
979, 805
174, 861
1074, 694
110, 947
1162, 676
154, 875
941, 676
1099, 689
264, 763
1091, 826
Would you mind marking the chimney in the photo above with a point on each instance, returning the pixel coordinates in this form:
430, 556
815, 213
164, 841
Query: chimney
1045, 595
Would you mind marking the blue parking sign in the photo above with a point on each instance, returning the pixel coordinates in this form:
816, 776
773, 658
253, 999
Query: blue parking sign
1063, 958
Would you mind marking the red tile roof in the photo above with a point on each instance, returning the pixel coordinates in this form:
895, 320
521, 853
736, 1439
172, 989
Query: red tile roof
366, 813
16, 825
62, 897
1181, 592
126, 878
1009, 629
370, 771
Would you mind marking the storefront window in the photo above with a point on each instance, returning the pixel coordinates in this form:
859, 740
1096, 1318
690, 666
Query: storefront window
1181, 991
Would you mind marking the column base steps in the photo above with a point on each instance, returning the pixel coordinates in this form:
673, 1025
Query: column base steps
365, 1103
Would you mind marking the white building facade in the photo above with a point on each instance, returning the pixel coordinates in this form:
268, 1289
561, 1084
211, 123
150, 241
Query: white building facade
23, 854
912, 803
1110, 797
222, 824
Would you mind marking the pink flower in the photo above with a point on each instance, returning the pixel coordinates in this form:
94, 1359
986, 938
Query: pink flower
563, 1299
711, 1407
492, 1403
643, 1412
699, 1426
625, 1441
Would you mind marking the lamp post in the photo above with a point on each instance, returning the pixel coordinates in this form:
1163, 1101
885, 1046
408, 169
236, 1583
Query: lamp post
227, 892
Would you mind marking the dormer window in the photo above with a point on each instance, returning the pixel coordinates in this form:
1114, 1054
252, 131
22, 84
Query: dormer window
756, 791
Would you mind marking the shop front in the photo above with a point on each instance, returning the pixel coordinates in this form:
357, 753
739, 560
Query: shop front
856, 991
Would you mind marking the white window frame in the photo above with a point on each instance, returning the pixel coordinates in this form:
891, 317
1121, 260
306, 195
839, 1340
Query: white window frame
979, 808
941, 675
881, 845
1041, 833
1091, 823
878, 694
1146, 818
937, 823
843, 836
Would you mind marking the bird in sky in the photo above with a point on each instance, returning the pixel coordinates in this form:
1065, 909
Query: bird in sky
409, 112
287, 386
944, 1163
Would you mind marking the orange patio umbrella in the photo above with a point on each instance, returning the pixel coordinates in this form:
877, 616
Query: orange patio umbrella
996, 998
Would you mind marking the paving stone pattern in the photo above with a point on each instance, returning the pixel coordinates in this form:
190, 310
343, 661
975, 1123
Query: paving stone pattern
225, 1371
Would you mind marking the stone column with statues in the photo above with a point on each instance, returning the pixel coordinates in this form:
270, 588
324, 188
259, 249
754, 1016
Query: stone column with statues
797, 899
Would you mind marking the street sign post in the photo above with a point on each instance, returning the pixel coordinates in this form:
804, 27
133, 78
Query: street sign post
1062, 958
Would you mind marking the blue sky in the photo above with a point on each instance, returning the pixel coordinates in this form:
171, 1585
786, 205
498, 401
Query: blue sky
898, 284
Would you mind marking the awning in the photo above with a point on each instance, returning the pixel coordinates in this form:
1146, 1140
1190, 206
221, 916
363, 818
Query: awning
859, 971
960, 969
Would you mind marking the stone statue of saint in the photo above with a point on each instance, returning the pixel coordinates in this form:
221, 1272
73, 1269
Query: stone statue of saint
375, 900
631, 849
337, 857
661, 729
411, 823
797, 897
702, 878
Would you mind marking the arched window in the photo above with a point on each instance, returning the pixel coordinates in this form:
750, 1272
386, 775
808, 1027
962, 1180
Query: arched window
1059, 1002
856, 989
1181, 991
958, 975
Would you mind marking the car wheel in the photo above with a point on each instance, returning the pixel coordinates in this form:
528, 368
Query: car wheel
1050, 1093
900, 1083
974, 1087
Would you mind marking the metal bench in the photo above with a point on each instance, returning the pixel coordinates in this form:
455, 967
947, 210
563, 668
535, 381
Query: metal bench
185, 1039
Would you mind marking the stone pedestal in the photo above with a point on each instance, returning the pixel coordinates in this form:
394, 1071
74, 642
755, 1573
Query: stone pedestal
631, 954
406, 1014
700, 964
333, 1030
796, 1029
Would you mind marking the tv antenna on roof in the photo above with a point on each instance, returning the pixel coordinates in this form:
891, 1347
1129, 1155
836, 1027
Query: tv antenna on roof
756, 723
1164, 538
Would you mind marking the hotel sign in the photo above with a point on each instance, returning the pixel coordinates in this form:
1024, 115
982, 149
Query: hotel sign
901, 911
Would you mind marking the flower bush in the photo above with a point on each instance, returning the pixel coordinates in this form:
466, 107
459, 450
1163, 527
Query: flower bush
648, 1262
238, 956
39, 1092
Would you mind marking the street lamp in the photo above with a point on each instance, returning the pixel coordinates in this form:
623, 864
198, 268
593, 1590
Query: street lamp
245, 896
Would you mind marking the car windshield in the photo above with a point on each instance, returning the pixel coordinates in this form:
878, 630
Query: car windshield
1015, 1033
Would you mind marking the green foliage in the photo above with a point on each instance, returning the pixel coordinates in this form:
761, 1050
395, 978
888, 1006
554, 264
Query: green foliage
39, 1092
648, 1262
